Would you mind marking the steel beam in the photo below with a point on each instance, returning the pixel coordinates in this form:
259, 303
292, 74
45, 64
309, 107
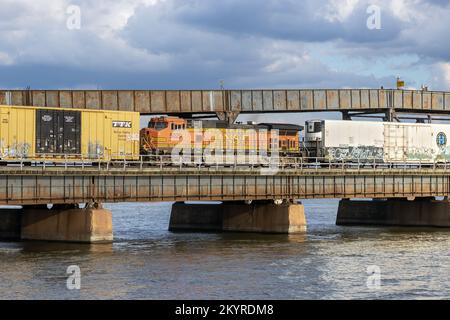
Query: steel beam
231, 102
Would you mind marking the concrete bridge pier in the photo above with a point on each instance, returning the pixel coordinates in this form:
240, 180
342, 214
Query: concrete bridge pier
255, 217
67, 223
64, 223
420, 212
10, 224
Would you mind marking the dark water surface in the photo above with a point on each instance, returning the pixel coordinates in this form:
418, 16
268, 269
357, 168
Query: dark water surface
148, 262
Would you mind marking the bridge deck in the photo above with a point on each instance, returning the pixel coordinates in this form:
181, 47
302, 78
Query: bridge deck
29, 186
240, 101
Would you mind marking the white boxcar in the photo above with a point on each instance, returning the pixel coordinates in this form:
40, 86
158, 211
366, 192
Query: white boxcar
383, 141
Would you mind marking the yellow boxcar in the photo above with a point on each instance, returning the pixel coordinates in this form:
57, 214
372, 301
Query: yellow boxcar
34, 134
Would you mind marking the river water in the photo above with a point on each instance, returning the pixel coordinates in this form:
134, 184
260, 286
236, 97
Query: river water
148, 262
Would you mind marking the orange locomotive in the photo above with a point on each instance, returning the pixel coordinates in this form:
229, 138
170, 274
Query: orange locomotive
157, 137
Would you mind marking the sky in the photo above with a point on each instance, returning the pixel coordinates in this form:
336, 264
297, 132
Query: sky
199, 44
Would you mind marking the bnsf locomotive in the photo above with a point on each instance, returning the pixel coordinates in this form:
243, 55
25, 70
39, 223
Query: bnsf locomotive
157, 137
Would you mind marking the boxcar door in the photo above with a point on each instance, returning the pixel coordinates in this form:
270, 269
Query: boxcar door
395, 142
68, 138
45, 131
58, 132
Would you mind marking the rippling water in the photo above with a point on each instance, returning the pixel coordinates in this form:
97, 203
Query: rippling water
148, 262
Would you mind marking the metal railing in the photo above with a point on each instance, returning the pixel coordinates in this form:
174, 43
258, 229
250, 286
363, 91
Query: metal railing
239, 162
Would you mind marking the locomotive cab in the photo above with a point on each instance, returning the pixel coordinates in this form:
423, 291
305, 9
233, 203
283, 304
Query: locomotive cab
314, 135
156, 138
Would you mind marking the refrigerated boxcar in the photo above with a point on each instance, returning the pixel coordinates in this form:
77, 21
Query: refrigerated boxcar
34, 134
388, 142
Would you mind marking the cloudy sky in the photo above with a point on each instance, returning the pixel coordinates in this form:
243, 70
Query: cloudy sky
176, 44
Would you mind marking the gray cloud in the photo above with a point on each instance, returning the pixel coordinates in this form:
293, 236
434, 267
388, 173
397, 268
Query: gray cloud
197, 43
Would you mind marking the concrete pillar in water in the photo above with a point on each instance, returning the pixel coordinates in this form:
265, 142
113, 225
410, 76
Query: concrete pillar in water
258, 217
422, 212
10, 224
67, 223
196, 217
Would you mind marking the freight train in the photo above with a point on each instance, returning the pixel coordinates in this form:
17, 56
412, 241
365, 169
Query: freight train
33, 134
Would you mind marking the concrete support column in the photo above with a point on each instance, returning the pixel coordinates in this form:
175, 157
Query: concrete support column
422, 212
10, 224
258, 217
67, 223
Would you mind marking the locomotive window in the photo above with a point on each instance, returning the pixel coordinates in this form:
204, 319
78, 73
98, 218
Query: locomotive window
314, 127
317, 127
160, 125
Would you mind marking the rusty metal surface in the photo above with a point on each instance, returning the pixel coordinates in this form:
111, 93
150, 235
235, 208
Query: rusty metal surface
244, 101
37, 186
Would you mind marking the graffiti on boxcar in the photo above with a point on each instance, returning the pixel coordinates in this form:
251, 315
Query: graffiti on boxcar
355, 153
444, 154
19, 150
420, 154
95, 150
